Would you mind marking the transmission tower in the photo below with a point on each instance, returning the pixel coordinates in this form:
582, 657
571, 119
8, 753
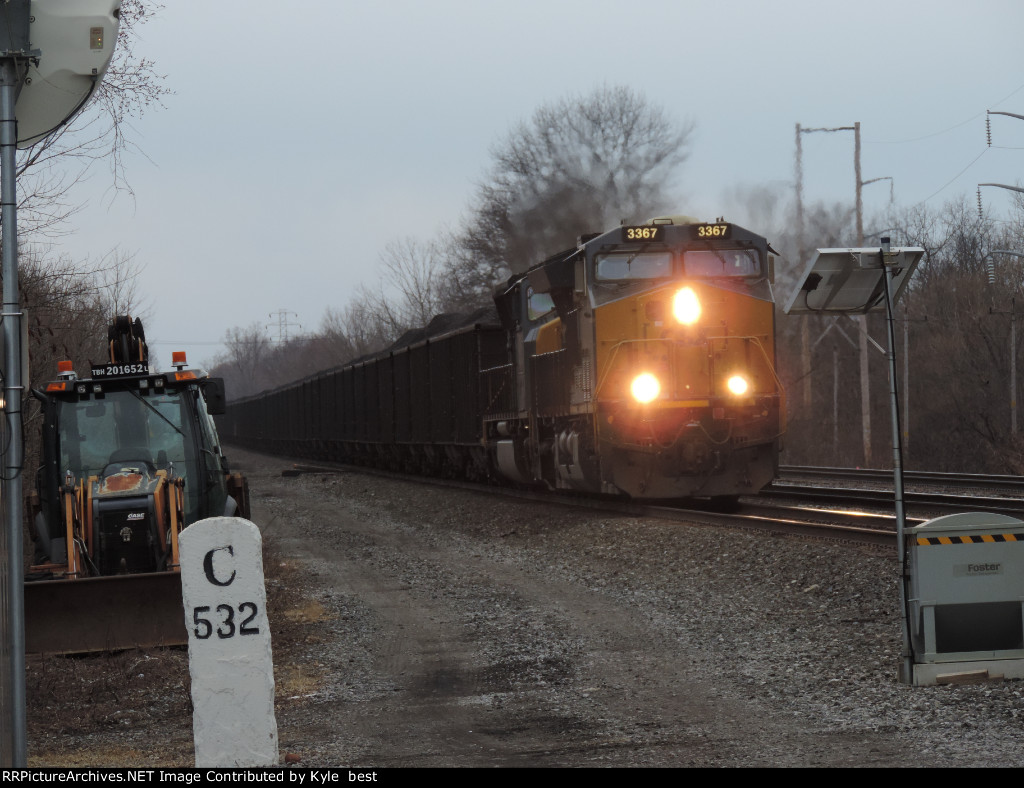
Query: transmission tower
283, 324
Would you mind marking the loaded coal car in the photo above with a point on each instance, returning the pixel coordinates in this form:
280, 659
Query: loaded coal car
639, 362
416, 406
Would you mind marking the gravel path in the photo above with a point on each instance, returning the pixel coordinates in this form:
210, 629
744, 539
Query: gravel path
418, 626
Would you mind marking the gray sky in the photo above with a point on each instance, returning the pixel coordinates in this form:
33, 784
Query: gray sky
302, 137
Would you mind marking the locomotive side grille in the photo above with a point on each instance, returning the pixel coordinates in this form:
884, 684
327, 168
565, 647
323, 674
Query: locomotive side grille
551, 394
581, 384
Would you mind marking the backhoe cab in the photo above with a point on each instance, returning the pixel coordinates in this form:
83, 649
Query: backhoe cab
130, 457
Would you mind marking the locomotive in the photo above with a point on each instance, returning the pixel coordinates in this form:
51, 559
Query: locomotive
640, 362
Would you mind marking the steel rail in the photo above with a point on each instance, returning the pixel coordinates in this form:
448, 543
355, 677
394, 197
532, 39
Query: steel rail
977, 480
751, 513
1013, 507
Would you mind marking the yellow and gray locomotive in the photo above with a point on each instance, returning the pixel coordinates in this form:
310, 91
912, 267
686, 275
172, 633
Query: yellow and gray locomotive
639, 362
645, 364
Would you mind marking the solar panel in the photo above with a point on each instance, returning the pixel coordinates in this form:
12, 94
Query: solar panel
850, 280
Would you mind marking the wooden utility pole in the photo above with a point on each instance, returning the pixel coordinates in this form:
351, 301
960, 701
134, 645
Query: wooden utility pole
865, 388
801, 253
1013, 339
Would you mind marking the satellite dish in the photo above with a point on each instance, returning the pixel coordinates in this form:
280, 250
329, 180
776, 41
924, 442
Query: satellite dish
75, 41
850, 280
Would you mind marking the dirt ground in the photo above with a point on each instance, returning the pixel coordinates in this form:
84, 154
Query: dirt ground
415, 626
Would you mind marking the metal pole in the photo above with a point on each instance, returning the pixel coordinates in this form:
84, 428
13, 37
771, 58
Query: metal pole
897, 468
1013, 368
1010, 114
859, 183
897, 441
835, 405
865, 378
9, 80
1004, 186
906, 378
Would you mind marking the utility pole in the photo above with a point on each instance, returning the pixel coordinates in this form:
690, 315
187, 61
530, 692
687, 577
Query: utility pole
1013, 317
805, 340
865, 337
859, 184
805, 336
988, 125
1013, 338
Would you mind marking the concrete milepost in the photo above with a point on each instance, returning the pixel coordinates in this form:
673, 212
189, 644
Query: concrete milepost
229, 652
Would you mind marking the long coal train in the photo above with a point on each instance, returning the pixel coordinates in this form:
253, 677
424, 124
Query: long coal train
640, 362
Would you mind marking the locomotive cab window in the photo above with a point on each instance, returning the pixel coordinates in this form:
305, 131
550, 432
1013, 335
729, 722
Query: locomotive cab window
623, 266
721, 262
538, 304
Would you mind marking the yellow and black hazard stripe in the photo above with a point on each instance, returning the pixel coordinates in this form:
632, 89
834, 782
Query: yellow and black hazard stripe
978, 539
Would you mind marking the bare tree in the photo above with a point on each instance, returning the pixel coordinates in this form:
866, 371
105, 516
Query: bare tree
410, 291
68, 306
579, 165
415, 271
48, 171
130, 86
956, 323
351, 333
244, 361
251, 363
469, 277
71, 301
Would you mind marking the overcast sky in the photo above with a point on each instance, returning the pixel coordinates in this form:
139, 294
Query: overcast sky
302, 137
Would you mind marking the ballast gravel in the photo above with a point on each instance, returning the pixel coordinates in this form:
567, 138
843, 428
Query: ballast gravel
421, 626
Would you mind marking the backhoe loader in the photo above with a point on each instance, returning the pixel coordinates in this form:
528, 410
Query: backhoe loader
129, 458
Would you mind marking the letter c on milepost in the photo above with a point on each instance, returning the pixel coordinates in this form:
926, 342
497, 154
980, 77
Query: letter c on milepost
208, 567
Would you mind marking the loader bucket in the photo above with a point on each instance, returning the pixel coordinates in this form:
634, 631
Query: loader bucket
104, 613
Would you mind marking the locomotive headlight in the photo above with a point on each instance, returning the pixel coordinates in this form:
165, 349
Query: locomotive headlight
686, 306
645, 388
737, 384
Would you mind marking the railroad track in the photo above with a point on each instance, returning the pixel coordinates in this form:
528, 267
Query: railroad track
762, 513
875, 488
976, 481
861, 527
